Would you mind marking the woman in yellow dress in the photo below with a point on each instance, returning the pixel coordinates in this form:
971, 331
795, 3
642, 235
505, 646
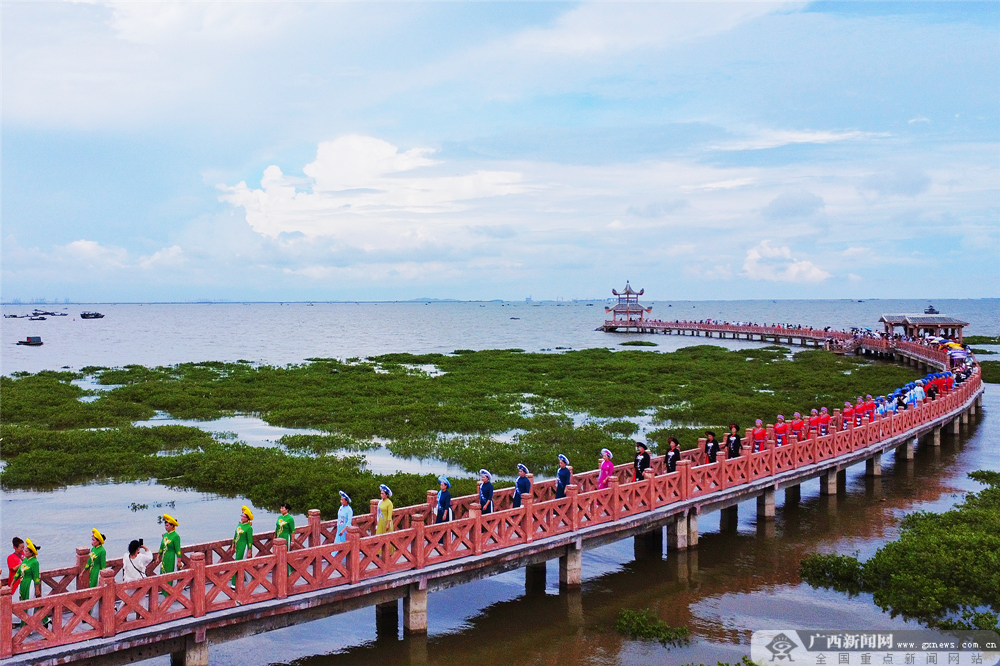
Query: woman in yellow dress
384, 513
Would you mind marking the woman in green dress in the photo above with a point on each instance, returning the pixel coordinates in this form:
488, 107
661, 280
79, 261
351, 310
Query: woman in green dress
243, 539
170, 545
285, 527
98, 558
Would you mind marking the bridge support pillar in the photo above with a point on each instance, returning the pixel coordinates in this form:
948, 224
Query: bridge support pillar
956, 427
972, 408
415, 611
873, 466
907, 451
936, 436
194, 653
765, 505
842, 480
534, 578
571, 568
793, 495
828, 484
649, 546
965, 418
729, 518
677, 533
692, 524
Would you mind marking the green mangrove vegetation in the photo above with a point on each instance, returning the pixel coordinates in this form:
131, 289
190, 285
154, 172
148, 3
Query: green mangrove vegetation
991, 371
473, 409
981, 339
944, 569
645, 626
637, 343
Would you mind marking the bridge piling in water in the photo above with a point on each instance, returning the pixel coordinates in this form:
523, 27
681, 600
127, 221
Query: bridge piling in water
828, 483
534, 579
908, 450
415, 610
571, 568
765, 505
873, 466
729, 518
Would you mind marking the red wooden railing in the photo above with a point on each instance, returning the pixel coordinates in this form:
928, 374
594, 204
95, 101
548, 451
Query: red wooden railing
211, 580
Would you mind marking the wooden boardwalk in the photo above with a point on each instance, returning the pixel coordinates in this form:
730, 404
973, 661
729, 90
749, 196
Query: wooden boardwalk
183, 612
836, 341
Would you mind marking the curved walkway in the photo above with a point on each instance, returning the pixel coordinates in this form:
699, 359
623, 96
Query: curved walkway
278, 587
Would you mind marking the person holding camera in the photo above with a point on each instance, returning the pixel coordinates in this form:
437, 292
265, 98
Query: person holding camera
136, 561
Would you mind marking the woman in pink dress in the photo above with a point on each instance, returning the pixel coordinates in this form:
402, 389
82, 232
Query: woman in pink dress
607, 469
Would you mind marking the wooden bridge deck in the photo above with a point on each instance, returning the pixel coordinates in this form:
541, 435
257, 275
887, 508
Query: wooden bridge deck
182, 612
836, 341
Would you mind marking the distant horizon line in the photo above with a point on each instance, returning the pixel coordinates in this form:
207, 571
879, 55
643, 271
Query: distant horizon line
473, 300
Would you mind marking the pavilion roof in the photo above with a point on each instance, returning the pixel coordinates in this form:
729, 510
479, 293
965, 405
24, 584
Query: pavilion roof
628, 291
629, 307
921, 320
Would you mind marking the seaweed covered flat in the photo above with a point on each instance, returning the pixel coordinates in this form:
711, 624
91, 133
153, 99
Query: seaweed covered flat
473, 409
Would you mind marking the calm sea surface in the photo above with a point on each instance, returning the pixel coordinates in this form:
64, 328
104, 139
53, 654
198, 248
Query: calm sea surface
164, 334
735, 582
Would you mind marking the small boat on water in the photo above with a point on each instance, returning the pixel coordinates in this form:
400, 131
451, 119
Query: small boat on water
930, 309
31, 341
36, 318
91, 315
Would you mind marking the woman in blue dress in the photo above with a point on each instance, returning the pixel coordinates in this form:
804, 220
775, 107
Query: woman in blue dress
486, 491
522, 486
444, 512
563, 476
345, 514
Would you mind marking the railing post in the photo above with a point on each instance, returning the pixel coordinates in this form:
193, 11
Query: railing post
315, 529
198, 585
6, 623
476, 512
280, 554
417, 520
108, 597
720, 458
572, 491
650, 477
527, 503
354, 558
684, 467
616, 505
431, 503
82, 575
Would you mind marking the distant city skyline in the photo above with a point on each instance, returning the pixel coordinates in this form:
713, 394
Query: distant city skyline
176, 152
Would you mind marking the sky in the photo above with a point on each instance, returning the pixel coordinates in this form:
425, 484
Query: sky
476, 150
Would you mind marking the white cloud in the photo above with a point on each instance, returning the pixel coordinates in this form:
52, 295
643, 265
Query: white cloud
776, 264
168, 23
918, 119
718, 185
357, 180
355, 161
762, 139
610, 27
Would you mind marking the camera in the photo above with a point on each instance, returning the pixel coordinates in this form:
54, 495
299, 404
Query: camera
140, 542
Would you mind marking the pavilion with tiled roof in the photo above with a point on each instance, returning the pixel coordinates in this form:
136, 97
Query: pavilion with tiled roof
628, 308
918, 325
